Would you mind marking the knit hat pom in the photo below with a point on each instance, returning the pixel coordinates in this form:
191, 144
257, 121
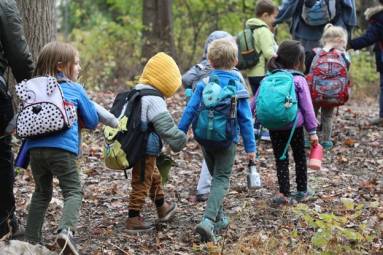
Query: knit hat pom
162, 72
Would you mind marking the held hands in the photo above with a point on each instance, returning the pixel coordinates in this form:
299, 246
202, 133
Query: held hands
251, 156
314, 139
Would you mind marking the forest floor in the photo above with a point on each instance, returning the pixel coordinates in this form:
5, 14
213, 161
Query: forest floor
346, 216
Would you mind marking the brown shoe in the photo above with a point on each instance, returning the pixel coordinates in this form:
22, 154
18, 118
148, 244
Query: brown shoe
166, 211
136, 225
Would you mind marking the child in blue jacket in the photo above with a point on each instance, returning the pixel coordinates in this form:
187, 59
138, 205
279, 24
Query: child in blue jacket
374, 34
222, 56
55, 155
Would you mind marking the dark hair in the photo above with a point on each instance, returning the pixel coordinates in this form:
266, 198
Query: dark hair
381, 1
265, 6
290, 54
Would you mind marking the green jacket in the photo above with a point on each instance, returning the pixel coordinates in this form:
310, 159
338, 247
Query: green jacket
264, 44
14, 51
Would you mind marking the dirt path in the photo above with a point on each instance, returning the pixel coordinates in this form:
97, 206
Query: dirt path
353, 170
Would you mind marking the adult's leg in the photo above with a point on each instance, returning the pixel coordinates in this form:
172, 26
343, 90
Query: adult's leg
7, 199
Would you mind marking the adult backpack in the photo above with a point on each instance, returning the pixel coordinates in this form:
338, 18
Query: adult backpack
277, 103
248, 56
328, 79
6, 106
126, 144
215, 124
318, 12
43, 109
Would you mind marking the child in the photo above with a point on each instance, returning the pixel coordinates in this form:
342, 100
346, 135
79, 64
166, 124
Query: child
334, 39
374, 34
189, 80
161, 73
55, 155
222, 56
291, 56
265, 12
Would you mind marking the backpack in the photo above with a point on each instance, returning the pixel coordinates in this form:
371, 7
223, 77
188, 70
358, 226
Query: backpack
277, 103
328, 79
248, 56
318, 12
215, 123
43, 109
6, 106
125, 145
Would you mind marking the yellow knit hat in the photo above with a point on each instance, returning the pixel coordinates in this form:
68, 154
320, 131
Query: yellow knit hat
162, 72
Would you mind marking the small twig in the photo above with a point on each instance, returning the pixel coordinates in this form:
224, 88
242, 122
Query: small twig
115, 246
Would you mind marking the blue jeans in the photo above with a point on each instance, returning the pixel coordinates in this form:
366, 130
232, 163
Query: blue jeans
381, 96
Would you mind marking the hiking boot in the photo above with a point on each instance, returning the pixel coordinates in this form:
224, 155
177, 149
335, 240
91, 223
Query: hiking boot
280, 200
137, 224
222, 221
206, 230
377, 121
303, 196
202, 197
66, 242
166, 211
327, 145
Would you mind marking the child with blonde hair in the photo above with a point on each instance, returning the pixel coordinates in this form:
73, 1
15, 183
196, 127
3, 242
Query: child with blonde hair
224, 90
55, 154
328, 77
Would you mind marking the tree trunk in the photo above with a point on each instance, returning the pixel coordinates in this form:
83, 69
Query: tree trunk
158, 28
39, 21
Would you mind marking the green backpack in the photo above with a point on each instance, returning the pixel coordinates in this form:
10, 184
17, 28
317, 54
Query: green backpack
277, 103
248, 56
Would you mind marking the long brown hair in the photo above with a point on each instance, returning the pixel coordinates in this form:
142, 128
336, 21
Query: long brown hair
290, 55
54, 54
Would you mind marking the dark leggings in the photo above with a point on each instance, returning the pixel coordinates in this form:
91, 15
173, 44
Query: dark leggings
279, 139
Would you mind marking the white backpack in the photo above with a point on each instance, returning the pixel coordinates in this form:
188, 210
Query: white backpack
43, 109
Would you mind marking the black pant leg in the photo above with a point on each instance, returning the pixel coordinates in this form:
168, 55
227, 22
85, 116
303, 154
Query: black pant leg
7, 176
278, 140
255, 82
299, 153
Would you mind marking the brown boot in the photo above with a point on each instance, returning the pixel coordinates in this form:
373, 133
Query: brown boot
166, 211
138, 225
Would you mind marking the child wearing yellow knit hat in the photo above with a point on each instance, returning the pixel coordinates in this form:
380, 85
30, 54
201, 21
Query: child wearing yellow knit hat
161, 73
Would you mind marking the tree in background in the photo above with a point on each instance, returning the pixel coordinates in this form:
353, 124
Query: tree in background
157, 31
39, 21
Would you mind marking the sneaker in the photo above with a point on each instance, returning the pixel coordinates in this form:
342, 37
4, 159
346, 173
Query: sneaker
377, 121
166, 211
280, 199
327, 145
265, 135
66, 242
222, 221
202, 197
303, 196
206, 230
137, 224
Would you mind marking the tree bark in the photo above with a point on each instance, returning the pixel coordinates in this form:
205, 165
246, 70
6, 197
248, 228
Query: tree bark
158, 28
39, 21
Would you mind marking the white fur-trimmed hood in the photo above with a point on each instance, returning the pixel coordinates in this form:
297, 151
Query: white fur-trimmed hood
372, 11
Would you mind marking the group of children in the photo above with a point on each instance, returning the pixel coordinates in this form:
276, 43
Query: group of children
56, 154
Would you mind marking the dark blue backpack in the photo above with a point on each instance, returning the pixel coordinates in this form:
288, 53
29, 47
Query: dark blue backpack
215, 124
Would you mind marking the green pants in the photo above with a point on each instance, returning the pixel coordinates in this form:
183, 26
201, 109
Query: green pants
46, 163
220, 164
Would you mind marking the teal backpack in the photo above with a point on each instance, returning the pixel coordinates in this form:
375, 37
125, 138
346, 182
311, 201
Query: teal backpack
277, 103
215, 124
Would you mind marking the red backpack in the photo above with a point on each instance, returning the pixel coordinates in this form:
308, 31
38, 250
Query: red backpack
328, 79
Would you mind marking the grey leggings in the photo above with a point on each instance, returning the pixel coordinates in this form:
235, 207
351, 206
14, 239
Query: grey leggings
326, 122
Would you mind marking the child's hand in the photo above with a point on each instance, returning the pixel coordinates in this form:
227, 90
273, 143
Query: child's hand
251, 156
314, 139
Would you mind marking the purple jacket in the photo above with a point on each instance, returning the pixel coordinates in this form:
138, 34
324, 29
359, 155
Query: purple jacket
306, 114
